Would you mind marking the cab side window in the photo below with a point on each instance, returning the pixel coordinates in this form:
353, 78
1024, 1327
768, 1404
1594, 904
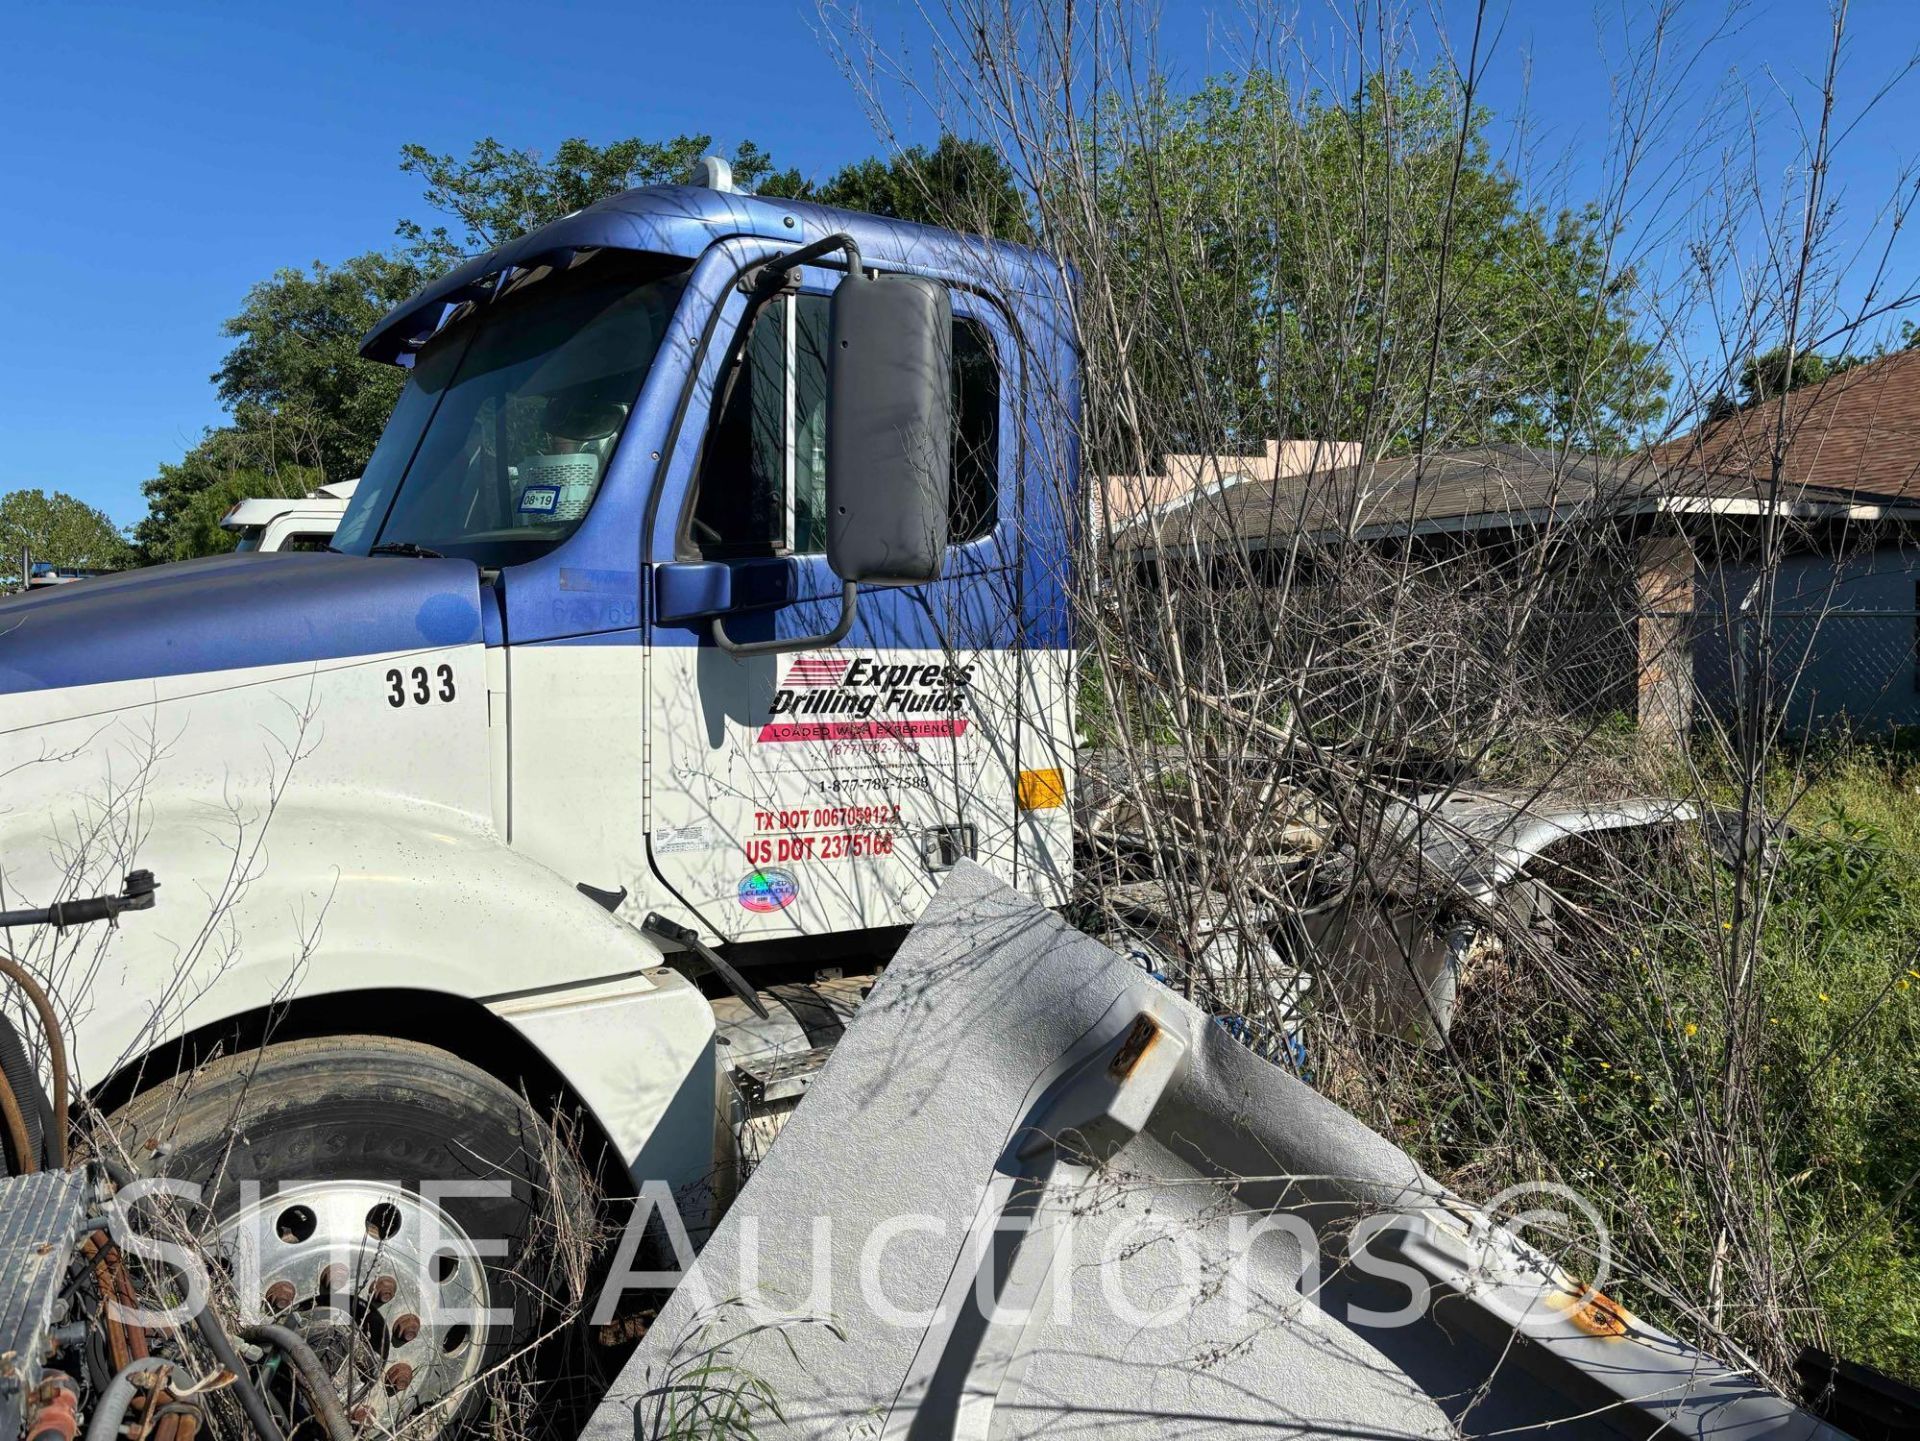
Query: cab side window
763, 470
743, 481
974, 508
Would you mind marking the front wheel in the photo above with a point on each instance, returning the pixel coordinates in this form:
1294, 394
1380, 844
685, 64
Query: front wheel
394, 1204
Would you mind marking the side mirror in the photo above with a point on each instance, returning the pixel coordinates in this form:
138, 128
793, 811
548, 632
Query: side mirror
889, 439
889, 428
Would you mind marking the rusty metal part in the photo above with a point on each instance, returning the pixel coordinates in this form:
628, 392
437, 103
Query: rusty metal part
126, 1342
383, 1290
399, 1376
280, 1295
622, 1329
1138, 1041
1594, 1312
17, 1136
333, 1241
180, 1423
172, 1417
56, 1049
53, 1411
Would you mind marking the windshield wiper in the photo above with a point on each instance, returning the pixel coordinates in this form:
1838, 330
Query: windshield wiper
406, 548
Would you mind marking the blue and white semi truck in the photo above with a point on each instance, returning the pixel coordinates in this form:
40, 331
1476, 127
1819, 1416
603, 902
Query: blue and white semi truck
705, 596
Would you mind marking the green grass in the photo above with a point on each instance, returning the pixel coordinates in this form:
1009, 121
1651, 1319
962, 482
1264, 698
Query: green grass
1758, 1165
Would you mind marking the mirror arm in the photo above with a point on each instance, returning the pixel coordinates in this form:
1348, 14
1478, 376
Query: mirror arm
780, 266
743, 650
805, 255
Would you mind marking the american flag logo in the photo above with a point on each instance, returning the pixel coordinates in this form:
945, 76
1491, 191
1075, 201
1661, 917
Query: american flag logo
823, 671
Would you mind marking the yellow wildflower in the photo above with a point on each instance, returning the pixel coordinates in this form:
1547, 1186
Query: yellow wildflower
1692, 1029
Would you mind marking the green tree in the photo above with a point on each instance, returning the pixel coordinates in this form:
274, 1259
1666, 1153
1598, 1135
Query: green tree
275, 455
302, 400
960, 184
296, 357
56, 528
198, 532
1302, 266
1769, 374
496, 194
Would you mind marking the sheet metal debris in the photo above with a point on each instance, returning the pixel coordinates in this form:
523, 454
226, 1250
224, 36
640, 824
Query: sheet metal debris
1034, 1192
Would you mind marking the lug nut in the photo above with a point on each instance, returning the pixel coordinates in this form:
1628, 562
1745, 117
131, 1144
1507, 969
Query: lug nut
405, 1328
384, 1288
280, 1295
399, 1376
360, 1415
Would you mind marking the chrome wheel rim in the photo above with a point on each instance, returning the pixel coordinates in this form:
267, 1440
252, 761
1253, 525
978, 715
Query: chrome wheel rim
388, 1289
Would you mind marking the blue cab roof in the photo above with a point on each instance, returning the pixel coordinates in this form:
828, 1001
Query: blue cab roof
685, 220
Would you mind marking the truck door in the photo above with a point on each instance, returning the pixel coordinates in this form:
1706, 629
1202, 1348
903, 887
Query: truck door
825, 790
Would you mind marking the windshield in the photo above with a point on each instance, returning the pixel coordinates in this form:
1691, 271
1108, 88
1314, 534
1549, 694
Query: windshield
504, 431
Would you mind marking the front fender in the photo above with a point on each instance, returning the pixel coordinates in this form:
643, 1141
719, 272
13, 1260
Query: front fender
314, 899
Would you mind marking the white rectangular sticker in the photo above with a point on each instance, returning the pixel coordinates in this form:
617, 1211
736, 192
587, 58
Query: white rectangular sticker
700, 836
539, 500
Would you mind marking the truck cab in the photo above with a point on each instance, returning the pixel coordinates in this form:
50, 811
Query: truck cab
630, 444
271, 523
706, 593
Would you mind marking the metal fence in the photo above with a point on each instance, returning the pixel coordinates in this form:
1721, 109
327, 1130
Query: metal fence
1827, 669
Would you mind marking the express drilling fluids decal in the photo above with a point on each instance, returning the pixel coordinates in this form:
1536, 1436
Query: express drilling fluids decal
862, 698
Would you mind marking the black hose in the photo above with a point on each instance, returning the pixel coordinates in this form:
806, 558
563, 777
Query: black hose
136, 894
251, 1401
319, 1385
35, 1109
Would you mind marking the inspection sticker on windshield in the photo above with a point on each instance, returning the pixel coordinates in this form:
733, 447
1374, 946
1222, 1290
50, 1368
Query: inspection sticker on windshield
539, 500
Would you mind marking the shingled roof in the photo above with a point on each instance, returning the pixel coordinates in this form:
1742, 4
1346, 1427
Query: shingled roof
1857, 432
1487, 487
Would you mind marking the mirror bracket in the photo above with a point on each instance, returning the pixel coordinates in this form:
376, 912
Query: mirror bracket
784, 268
746, 649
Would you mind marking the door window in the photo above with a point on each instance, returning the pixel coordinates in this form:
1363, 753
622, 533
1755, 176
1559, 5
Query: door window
762, 487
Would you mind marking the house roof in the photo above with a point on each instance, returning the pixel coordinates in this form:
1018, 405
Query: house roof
1857, 432
1484, 488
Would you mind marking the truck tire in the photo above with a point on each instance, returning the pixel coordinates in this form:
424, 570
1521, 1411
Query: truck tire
384, 1197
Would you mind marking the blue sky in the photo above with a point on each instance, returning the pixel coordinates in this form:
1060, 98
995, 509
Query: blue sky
159, 158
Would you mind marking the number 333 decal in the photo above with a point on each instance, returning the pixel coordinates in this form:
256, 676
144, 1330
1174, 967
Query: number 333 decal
419, 687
